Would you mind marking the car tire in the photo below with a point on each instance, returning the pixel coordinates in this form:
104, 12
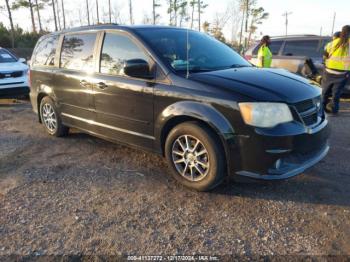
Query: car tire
51, 119
195, 156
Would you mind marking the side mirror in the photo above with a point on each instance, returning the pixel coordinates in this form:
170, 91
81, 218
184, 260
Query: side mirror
138, 68
22, 60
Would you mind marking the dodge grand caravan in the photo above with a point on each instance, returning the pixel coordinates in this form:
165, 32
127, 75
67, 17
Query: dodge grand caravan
182, 94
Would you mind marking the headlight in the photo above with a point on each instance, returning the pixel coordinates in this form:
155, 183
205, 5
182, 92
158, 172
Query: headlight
265, 114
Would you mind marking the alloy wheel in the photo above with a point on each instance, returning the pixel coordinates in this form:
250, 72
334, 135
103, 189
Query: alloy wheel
49, 117
190, 158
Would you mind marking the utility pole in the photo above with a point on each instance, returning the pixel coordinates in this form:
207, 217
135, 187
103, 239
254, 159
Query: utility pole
286, 14
110, 11
335, 14
321, 31
87, 11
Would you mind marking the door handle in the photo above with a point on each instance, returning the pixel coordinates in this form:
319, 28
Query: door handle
84, 83
101, 85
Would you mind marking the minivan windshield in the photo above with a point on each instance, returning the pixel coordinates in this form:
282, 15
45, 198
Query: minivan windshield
6, 57
205, 53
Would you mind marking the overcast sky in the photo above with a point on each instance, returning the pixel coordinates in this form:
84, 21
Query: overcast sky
308, 16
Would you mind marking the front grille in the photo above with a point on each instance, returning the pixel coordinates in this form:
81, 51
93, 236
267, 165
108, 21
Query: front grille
13, 74
310, 119
309, 110
304, 106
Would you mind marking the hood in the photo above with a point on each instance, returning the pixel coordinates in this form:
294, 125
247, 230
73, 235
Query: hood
270, 85
14, 66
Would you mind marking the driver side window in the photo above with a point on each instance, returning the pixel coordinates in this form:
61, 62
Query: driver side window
118, 48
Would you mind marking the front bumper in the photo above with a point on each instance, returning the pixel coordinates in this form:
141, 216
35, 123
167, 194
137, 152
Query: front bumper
273, 157
289, 167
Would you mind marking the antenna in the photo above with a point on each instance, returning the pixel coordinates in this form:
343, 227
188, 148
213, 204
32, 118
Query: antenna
187, 55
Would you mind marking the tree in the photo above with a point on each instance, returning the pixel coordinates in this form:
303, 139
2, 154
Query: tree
201, 6
169, 11
97, 14
63, 15
183, 16
54, 13
88, 11
193, 3
155, 5
58, 15
177, 9
26, 4
109, 11
257, 17
11, 23
39, 17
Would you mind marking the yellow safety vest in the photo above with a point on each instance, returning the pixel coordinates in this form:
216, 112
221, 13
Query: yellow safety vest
338, 58
265, 52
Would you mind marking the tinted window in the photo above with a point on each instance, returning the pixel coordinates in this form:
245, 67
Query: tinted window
115, 51
45, 51
200, 53
308, 48
275, 47
77, 52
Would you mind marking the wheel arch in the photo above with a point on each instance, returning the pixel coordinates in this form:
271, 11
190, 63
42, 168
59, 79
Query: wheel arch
41, 94
206, 114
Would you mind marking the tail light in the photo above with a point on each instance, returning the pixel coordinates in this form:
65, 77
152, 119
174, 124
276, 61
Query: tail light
248, 57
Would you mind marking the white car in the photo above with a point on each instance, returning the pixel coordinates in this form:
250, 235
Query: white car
13, 75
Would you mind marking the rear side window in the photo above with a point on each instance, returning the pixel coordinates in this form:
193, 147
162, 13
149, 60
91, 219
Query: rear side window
309, 48
45, 51
275, 47
118, 48
77, 52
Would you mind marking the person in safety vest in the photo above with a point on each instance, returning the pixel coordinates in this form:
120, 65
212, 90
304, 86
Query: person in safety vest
336, 35
264, 53
337, 71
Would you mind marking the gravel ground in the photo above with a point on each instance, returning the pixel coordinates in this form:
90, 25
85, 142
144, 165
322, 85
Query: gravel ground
80, 195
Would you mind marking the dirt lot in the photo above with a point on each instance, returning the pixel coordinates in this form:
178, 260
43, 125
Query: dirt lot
82, 195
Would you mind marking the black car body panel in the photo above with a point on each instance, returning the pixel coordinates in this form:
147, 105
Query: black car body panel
141, 112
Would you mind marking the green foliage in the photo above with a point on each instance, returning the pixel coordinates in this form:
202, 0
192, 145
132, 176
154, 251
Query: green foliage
22, 39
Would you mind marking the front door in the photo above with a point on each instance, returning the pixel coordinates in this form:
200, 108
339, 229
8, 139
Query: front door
124, 105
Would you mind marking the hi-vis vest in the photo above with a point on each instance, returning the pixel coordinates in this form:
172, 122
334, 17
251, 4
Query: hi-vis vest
338, 59
265, 52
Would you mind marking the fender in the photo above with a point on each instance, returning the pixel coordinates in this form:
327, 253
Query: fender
200, 111
204, 112
43, 90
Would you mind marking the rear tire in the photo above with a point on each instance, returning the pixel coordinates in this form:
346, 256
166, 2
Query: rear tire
51, 119
195, 156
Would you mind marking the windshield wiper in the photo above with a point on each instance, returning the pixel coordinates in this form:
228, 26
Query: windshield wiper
238, 66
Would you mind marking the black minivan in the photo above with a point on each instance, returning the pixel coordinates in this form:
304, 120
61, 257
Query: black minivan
182, 94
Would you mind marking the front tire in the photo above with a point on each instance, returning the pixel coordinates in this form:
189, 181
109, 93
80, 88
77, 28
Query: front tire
51, 119
195, 156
